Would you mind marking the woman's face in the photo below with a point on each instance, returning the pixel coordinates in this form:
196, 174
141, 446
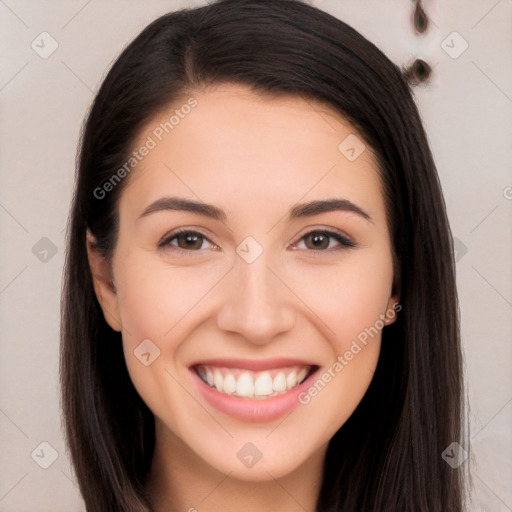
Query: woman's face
282, 272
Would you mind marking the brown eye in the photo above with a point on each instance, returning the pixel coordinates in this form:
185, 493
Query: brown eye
186, 240
323, 240
316, 241
189, 241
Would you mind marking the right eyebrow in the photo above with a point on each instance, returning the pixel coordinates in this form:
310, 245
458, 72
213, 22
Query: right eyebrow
176, 203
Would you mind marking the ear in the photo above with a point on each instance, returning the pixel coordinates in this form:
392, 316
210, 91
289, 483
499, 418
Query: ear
392, 309
102, 277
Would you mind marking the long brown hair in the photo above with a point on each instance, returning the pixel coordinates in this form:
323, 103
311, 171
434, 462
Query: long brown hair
387, 456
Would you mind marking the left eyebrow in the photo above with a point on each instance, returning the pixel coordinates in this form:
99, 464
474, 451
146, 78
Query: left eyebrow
328, 205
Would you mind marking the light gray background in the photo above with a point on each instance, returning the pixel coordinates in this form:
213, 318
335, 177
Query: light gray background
467, 113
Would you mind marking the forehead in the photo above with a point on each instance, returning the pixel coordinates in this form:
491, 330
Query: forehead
233, 141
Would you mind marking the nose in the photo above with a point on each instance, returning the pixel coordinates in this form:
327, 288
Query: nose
257, 305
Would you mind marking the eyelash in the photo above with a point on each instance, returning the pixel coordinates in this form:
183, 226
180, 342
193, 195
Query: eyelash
344, 242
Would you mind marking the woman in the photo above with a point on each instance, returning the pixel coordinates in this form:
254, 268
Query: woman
259, 304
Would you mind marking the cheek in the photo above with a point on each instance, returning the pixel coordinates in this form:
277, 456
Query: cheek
154, 297
159, 303
349, 302
156, 303
347, 298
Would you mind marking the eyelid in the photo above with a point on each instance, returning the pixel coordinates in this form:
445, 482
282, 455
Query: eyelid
346, 241
165, 240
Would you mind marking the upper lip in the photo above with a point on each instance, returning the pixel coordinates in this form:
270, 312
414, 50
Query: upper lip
253, 364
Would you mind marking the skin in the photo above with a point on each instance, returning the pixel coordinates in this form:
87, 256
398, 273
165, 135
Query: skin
255, 158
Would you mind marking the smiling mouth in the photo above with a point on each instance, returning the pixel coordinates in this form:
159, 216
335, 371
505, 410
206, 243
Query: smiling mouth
244, 383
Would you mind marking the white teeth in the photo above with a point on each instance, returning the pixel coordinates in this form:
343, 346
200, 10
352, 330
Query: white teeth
263, 384
302, 375
218, 380
279, 383
229, 384
247, 384
291, 380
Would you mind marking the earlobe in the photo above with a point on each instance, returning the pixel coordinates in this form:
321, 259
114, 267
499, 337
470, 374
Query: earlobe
102, 277
392, 309
393, 306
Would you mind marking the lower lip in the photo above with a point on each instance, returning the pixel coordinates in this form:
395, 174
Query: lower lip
252, 409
